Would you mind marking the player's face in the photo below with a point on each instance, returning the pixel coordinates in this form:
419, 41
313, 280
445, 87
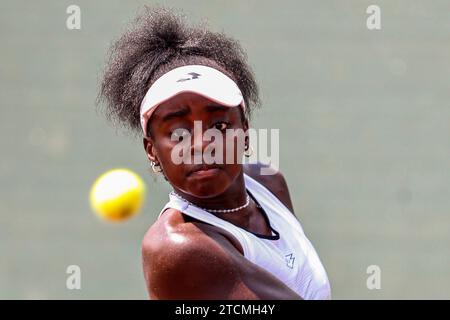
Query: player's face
179, 135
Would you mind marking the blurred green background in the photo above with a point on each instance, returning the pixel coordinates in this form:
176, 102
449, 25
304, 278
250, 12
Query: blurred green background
364, 119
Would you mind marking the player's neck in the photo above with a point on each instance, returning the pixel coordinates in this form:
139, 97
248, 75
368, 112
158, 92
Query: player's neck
233, 197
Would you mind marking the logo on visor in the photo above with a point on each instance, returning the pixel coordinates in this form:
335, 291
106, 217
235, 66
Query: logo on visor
193, 75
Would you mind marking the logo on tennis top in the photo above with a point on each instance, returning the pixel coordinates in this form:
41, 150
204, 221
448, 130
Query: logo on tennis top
289, 258
193, 75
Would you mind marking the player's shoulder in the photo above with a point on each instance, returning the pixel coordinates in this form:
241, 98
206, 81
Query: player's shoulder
272, 179
172, 230
263, 173
177, 255
171, 240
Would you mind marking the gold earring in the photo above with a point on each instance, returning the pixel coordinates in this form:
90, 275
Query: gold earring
248, 151
155, 166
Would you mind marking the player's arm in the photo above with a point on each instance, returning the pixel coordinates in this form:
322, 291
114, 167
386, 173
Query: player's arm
193, 265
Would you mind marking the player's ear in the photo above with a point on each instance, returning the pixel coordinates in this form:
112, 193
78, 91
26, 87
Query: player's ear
245, 125
149, 149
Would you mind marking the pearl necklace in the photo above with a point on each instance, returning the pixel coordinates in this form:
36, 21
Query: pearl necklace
247, 202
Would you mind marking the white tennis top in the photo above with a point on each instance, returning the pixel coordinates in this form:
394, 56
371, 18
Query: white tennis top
287, 253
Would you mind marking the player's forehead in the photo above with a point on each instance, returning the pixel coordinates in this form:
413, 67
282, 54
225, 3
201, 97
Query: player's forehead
189, 102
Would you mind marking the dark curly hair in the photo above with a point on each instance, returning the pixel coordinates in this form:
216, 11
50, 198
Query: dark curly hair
157, 41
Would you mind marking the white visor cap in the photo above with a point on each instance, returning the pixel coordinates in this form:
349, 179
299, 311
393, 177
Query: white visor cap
202, 80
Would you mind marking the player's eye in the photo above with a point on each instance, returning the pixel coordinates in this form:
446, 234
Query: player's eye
180, 133
221, 125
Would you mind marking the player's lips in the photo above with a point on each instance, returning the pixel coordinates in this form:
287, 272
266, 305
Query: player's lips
204, 169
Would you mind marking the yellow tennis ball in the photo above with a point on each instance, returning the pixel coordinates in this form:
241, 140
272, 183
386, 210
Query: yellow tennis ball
117, 195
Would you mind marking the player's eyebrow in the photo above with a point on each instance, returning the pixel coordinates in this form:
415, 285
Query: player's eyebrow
186, 110
178, 113
215, 107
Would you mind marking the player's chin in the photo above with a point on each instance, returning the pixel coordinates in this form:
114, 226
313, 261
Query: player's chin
208, 183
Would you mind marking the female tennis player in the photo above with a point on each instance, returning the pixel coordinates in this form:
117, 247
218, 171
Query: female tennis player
228, 231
